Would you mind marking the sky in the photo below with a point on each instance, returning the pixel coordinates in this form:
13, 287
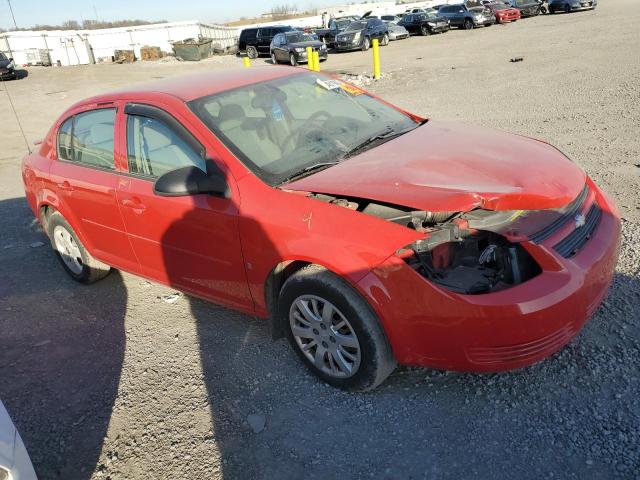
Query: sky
31, 12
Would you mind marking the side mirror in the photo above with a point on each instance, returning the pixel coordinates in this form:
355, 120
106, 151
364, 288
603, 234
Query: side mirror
191, 180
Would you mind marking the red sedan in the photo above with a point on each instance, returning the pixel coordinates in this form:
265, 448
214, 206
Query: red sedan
503, 13
367, 235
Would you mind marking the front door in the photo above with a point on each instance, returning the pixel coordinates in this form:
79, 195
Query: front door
189, 242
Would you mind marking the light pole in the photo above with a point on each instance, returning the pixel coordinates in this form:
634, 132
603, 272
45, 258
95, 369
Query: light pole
12, 15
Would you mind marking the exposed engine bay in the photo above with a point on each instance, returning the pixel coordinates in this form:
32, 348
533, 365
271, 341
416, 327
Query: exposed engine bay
461, 252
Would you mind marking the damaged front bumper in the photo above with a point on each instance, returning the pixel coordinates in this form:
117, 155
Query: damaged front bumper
432, 326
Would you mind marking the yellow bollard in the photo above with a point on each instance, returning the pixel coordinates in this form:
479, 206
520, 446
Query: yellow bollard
246, 61
316, 61
310, 64
376, 59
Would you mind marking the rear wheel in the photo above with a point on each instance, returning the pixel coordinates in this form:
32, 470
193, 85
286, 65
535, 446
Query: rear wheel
73, 256
334, 330
468, 24
252, 52
366, 43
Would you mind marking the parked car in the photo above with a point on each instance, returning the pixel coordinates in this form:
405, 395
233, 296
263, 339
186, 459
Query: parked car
296, 197
7, 68
359, 34
503, 13
291, 47
569, 6
14, 459
328, 35
425, 23
528, 8
461, 16
257, 41
397, 32
391, 18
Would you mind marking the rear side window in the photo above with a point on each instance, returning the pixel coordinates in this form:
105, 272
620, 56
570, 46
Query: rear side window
248, 34
87, 138
154, 149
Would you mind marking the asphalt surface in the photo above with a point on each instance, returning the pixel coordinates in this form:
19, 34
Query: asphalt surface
125, 380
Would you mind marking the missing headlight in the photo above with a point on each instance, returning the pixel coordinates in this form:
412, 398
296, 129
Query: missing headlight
471, 262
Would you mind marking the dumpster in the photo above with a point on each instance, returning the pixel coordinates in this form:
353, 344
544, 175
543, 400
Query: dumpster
192, 50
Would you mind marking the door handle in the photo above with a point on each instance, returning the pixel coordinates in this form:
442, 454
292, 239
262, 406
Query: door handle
65, 186
134, 204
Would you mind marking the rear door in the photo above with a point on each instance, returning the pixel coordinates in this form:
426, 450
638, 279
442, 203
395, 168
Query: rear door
85, 179
189, 242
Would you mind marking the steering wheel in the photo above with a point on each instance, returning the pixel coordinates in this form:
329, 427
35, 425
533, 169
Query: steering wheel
310, 126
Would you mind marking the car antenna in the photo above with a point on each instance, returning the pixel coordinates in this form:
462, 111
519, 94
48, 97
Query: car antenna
15, 113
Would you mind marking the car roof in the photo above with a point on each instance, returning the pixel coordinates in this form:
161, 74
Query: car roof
190, 87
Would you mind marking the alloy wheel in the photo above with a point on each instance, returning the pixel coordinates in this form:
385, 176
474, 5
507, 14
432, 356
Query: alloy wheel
325, 336
68, 249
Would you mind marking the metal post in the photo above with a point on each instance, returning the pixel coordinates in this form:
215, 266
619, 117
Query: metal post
310, 63
376, 59
316, 61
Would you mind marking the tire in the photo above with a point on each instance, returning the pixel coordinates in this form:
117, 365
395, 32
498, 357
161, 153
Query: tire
371, 360
468, 24
274, 60
252, 52
567, 8
366, 43
385, 40
72, 254
292, 60
424, 31
551, 10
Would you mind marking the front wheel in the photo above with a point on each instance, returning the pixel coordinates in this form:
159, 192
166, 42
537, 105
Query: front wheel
424, 30
292, 60
274, 60
73, 256
567, 8
385, 40
366, 43
468, 24
334, 330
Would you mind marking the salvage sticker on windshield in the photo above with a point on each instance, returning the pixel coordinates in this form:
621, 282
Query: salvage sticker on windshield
351, 89
337, 85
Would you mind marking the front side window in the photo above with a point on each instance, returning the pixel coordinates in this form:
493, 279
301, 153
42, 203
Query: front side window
278, 127
87, 138
154, 149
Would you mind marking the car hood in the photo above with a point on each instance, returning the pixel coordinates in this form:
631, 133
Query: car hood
4, 63
310, 43
443, 166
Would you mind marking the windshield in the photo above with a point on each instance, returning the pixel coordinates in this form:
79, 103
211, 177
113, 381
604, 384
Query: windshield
497, 6
299, 37
430, 12
353, 26
284, 126
2, 57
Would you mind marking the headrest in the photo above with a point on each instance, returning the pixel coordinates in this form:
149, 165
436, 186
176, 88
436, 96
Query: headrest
265, 97
231, 112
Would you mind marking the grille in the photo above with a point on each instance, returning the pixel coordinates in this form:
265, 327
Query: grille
568, 216
521, 352
573, 242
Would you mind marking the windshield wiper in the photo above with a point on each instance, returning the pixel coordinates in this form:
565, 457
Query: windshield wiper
307, 171
374, 141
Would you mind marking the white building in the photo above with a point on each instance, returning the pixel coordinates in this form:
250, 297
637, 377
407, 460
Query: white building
78, 47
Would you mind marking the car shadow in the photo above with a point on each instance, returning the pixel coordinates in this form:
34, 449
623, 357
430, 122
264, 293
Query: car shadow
62, 350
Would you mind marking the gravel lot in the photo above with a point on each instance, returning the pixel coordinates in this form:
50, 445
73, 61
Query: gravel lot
111, 381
